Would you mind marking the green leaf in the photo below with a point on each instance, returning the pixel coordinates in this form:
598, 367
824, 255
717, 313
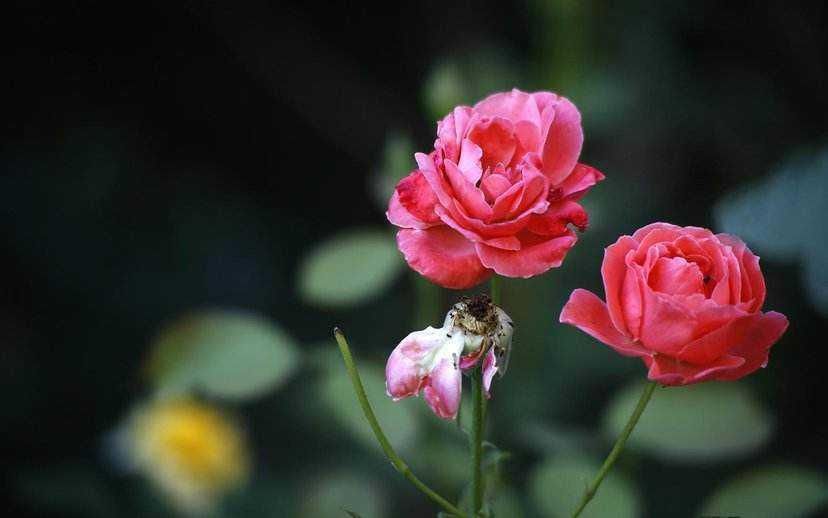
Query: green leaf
693, 424
398, 419
228, 354
557, 485
349, 268
397, 161
331, 494
773, 491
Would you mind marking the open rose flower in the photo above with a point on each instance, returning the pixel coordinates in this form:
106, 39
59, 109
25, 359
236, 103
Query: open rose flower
498, 192
686, 301
432, 360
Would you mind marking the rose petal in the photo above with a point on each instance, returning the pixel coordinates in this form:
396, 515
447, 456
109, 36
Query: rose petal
536, 255
442, 389
613, 271
496, 137
515, 106
489, 370
669, 371
577, 184
403, 372
563, 142
443, 256
588, 313
755, 344
416, 196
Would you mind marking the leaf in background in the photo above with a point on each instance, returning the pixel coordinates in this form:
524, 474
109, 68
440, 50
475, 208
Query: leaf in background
331, 494
398, 419
782, 215
770, 492
694, 424
349, 268
556, 487
397, 162
469, 78
228, 354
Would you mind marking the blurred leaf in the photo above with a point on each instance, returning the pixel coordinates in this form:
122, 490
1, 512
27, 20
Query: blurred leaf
468, 78
71, 490
694, 424
229, 354
351, 514
398, 419
556, 487
350, 268
397, 162
781, 215
331, 494
788, 491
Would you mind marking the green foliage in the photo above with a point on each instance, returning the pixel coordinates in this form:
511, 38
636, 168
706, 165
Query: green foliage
770, 492
693, 424
397, 161
557, 484
399, 420
349, 268
341, 492
228, 354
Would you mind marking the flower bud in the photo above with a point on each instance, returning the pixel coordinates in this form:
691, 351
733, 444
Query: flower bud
432, 360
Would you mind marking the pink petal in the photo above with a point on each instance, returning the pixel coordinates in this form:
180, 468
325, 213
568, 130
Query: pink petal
403, 377
400, 217
466, 193
613, 271
496, 138
755, 344
557, 217
669, 371
536, 255
469, 163
489, 370
514, 106
443, 388
415, 194
494, 185
442, 256
667, 325
563, 142
588, 313
439, 186
675, 276
577, 184
752, 281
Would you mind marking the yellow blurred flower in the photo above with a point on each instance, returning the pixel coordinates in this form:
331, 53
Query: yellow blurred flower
190, 450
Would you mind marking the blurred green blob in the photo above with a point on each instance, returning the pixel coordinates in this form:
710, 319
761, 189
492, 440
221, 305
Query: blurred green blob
66, 490
770, 492
398, 419
693, 424
468, 78
783, 217
335, 494
228, 354
350, 268
397, 162
556, 487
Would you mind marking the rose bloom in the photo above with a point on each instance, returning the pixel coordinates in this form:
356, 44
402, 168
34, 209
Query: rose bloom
498, 193
686, 301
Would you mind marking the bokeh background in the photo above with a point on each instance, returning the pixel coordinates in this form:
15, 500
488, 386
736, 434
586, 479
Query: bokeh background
193, 195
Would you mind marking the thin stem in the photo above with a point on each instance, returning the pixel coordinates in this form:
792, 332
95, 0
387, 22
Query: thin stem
476, 443
395, 459
616, 449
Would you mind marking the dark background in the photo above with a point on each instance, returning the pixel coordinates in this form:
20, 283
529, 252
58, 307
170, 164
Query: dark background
160, 158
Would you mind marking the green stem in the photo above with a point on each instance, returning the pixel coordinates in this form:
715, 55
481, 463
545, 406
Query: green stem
494, 289
476, 443
395, 459
616, 449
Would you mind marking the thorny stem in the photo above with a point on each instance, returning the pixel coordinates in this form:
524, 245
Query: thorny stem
616, 449
395, 459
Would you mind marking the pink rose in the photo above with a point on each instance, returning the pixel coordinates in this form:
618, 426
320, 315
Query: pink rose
498, 193
686, 301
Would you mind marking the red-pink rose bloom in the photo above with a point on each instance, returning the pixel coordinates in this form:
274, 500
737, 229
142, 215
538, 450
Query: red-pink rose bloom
686, 301
498, 193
